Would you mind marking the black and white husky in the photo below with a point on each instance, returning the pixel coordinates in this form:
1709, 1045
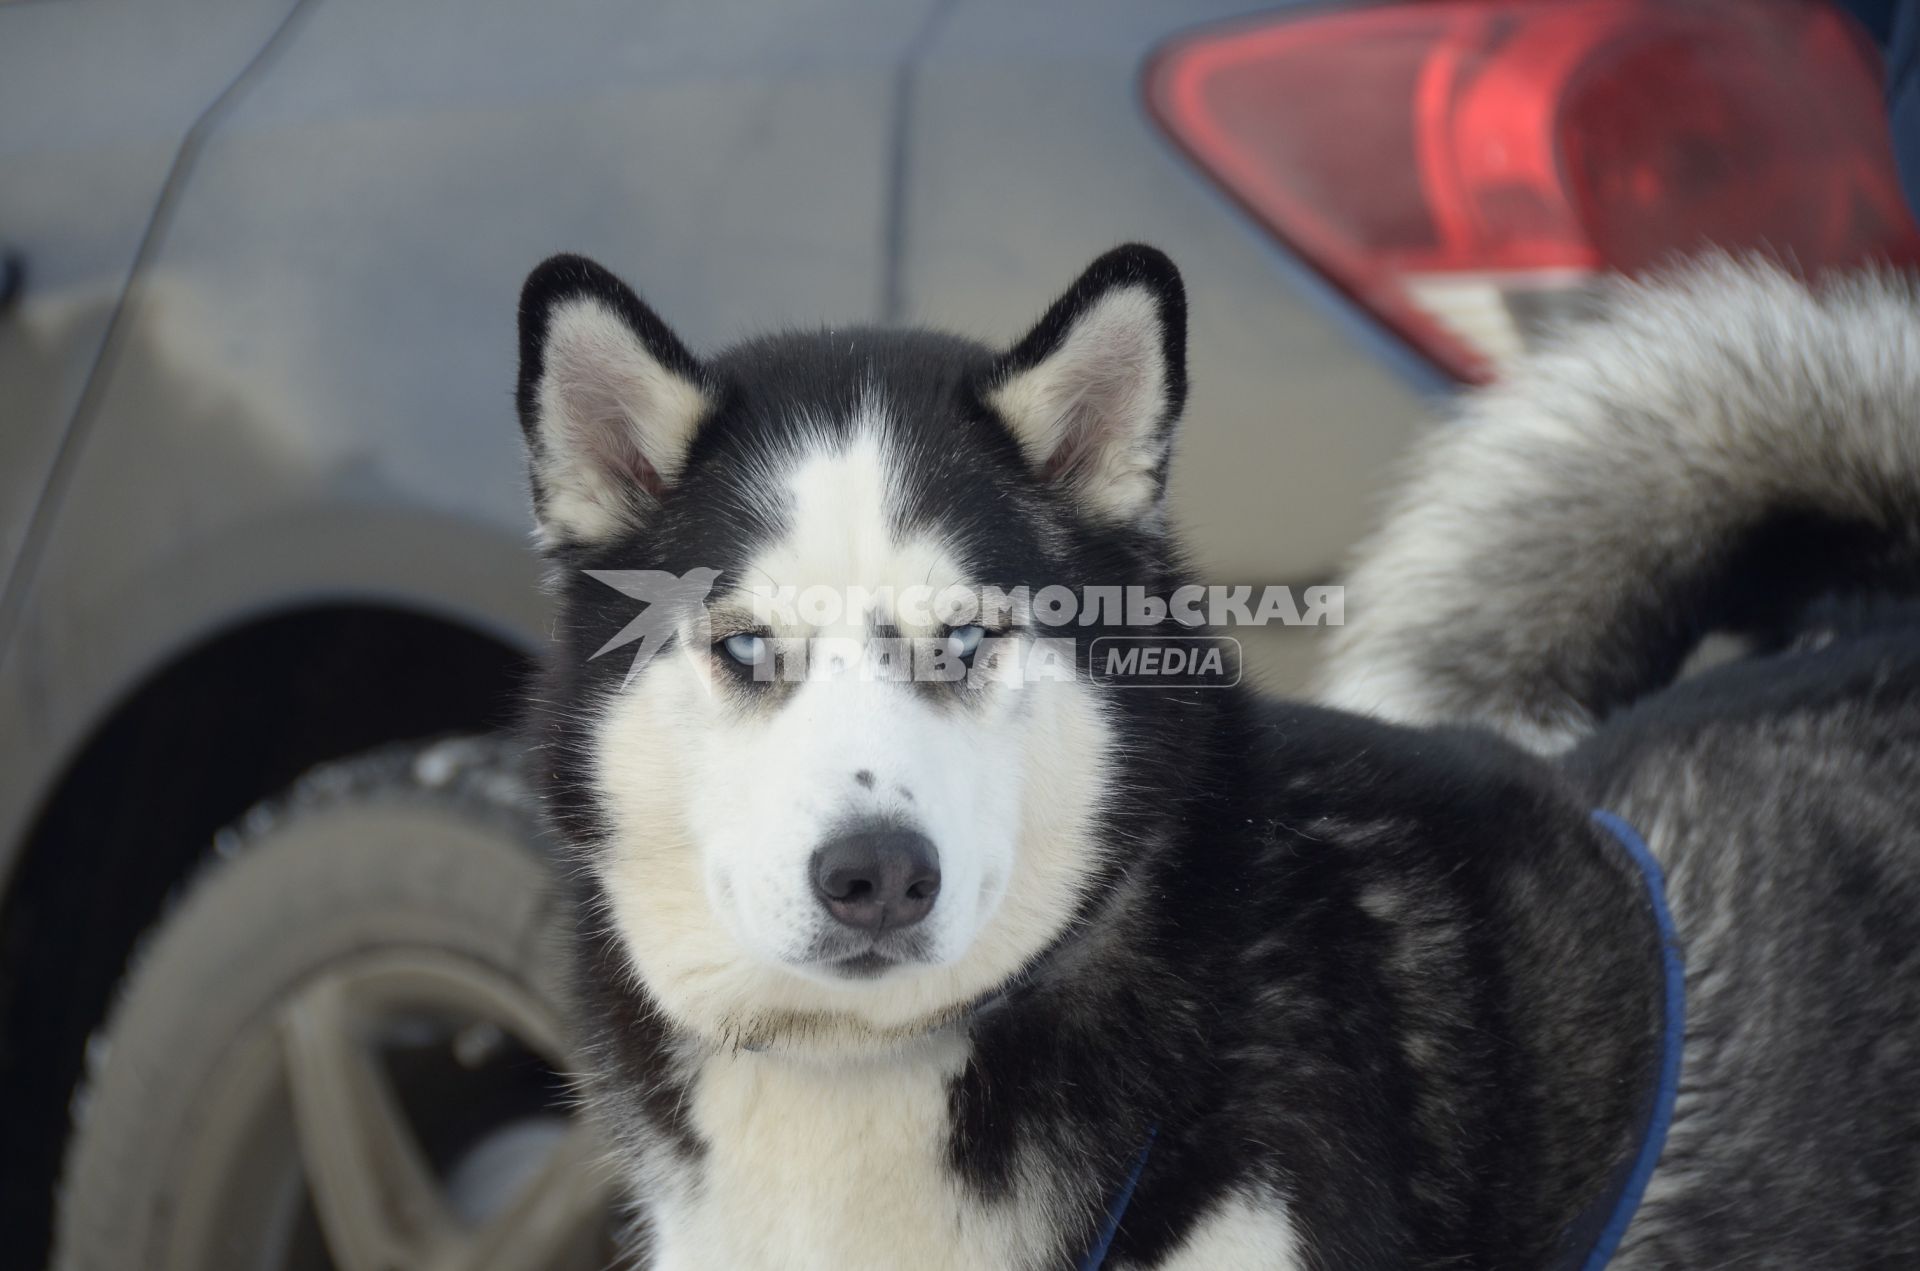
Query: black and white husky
981, 970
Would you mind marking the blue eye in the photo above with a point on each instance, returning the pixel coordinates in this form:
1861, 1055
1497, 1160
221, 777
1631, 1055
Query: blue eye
964, 642
746, 649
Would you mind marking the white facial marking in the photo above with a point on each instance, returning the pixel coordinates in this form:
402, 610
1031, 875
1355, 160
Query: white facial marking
784, 783
720, 794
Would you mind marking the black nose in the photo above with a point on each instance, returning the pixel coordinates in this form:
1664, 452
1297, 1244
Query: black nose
880, 878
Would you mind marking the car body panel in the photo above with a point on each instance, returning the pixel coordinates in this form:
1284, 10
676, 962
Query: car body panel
96, 100
309, 397
1030, 154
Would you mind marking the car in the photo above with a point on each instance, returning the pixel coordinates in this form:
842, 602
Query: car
278, 974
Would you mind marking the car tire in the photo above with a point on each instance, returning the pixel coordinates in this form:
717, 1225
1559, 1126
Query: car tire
282, 1083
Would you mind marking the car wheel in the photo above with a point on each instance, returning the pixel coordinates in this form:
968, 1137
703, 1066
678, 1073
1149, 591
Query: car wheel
342, 1049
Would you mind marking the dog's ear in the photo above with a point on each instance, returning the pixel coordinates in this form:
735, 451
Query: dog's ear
1094, 392
608, 397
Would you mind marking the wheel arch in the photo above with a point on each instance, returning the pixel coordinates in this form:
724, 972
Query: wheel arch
228, 721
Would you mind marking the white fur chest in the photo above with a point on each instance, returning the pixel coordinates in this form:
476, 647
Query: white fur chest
832, 1167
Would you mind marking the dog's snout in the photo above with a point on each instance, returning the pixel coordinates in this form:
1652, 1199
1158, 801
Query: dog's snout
877, 878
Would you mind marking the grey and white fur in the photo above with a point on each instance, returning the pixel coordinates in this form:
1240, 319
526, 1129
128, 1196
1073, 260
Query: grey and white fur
1684, 462
1378, 994
1721, 452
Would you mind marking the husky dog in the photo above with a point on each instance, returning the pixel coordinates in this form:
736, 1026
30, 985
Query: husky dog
986, 970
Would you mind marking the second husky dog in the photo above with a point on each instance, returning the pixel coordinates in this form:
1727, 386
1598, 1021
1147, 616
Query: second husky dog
983, 970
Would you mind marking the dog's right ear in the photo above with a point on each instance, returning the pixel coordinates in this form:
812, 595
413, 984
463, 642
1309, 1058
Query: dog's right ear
608, 397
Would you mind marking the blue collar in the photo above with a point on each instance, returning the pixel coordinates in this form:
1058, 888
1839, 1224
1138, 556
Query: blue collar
1589, 1241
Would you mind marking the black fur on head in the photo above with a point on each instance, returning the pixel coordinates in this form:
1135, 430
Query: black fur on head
614, 406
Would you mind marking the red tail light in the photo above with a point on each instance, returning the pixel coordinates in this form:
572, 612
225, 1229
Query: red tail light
1460, 167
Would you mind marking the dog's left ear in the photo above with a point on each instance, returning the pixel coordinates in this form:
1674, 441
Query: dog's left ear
1093, 394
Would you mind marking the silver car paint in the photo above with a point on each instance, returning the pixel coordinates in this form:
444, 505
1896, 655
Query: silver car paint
306, 393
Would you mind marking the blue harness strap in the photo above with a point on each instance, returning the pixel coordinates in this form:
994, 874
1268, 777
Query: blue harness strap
1588, 1243
1117, 1209
1590, 1240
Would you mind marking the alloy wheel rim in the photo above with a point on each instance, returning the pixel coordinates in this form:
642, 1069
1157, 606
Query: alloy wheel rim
308, 1151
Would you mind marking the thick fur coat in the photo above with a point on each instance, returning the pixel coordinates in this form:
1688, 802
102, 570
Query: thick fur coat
1363, 993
